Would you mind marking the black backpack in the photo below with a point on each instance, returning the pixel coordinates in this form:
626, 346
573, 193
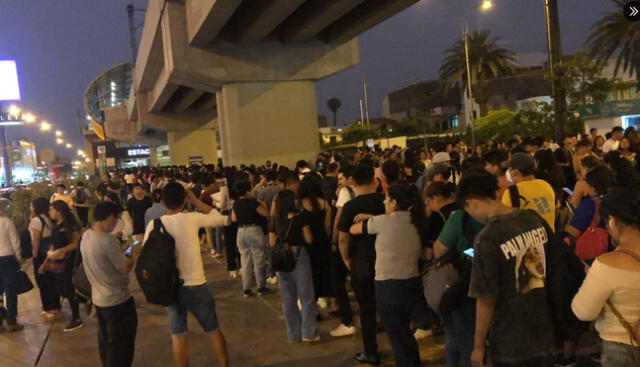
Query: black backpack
565, 275
26, 247
80, 197
156, 268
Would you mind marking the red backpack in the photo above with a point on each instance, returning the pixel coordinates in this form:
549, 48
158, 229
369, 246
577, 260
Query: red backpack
594, 241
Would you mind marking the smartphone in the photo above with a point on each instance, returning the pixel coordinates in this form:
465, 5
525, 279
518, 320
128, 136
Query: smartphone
130, 248
469, 252
568, 190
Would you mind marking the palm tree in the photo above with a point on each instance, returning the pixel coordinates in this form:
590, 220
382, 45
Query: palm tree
613, 33
334, 105
486, 60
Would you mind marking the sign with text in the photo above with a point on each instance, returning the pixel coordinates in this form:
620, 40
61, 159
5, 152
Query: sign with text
9, 85
610, 109
138, 152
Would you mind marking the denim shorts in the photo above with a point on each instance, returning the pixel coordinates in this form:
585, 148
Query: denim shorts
197, 300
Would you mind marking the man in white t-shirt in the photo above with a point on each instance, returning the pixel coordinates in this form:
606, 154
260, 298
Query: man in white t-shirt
614, 141
340, 272
194, 295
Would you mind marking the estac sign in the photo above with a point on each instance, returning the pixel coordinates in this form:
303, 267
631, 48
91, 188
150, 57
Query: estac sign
138, 152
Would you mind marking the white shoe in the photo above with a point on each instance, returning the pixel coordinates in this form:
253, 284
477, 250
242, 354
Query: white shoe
422, 334
322, 303
233, 274
316, 339
343, 330
272, 280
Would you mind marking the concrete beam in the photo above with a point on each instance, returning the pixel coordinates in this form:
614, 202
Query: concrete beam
187, 99
259, 18
161, 92
206, 18
149, 60
190, 120
313, 17
365, 16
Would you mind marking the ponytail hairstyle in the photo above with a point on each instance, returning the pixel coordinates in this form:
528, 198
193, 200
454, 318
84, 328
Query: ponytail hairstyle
69, 220
408, 199
445, 190
285, 203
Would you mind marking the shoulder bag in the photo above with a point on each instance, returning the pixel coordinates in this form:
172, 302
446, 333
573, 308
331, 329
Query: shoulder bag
594, 241
282, 257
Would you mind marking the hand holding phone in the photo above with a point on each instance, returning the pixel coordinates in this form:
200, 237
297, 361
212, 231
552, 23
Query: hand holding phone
129, 250
469, 252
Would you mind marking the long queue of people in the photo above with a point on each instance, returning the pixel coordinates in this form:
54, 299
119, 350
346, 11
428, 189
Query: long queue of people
511, 250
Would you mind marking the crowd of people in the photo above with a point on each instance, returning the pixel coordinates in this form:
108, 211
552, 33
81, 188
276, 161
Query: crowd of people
510, 249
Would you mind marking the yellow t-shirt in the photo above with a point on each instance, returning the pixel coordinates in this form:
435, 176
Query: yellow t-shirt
539, 196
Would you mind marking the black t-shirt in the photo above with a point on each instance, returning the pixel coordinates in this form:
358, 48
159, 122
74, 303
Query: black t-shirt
436, 221
246, 212
329, 186
509, 265
362, 247
137, 209
102, 187
295, 237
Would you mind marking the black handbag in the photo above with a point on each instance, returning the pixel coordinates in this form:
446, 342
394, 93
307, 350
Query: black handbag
282, 257
23, 283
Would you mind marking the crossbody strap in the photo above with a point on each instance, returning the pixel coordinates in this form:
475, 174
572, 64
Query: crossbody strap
632, 336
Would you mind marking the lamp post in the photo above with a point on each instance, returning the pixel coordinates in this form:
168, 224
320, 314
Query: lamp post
555, 57
14, 112
465, 33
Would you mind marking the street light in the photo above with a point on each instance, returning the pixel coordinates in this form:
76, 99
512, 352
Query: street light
58, 133
69, 146
60, 141
81, 152
28, 118
486, 5
45, 126
14, 110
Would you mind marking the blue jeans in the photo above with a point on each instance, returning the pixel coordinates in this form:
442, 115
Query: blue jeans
295, 285
218, 239
9, 277
197, 300
252, 256
396, 300
618, 354
459, 329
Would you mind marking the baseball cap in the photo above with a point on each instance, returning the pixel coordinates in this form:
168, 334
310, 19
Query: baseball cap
523, 162
441, 157
435, 170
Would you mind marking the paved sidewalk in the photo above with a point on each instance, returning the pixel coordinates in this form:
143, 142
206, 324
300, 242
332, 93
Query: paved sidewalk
254, 329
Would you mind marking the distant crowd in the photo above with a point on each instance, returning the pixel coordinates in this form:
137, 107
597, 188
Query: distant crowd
511, 250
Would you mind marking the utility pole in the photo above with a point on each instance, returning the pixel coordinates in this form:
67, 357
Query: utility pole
6, 149
465, 34
366, 103
132, 34
555, 58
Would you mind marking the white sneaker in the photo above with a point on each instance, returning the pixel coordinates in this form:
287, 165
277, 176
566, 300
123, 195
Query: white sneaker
233, 274
272, 280
322, 303
422, 334
343, 330
313, 340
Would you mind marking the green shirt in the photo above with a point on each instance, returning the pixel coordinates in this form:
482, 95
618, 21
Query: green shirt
453, 234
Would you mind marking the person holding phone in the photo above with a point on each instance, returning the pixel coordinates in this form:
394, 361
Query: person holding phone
107, 269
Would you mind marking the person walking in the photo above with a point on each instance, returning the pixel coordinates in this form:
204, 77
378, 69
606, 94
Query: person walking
137, 207
296, 285
40, 229
107, 269
64, 243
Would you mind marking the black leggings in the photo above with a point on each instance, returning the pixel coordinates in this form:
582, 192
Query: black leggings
64, 285
233, 256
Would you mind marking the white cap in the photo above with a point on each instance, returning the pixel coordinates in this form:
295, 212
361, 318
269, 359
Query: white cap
441, 157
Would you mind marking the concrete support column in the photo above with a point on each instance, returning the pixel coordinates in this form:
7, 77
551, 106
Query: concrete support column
187, 145
262, 121
153, 156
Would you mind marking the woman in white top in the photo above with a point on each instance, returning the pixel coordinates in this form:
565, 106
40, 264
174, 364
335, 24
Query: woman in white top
614, 280
9, 266
40, 228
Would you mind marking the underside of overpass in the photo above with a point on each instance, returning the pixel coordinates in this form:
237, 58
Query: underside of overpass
246, 67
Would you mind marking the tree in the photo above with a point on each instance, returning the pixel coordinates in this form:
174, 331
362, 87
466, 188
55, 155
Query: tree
486, 61
612, 34
334, 105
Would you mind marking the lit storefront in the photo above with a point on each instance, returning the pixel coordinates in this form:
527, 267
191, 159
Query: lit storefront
133, 156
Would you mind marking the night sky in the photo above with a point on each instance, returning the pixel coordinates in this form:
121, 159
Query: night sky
62, 45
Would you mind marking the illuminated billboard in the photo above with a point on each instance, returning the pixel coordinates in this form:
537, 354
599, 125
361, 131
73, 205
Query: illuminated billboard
9, 86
